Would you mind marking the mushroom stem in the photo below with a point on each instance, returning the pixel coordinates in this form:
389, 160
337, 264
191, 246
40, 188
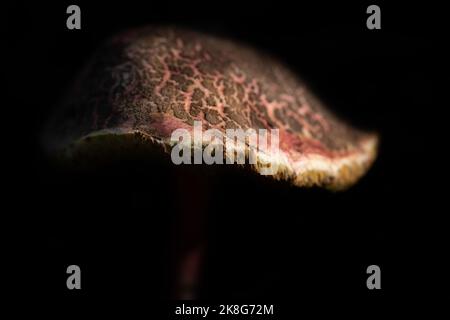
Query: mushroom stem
190, 240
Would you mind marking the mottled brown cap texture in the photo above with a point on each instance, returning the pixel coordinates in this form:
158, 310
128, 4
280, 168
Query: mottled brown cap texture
145, 83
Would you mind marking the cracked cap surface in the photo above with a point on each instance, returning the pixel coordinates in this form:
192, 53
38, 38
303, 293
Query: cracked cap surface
145, 83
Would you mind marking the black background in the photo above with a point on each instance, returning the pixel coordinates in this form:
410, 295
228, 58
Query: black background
306, 250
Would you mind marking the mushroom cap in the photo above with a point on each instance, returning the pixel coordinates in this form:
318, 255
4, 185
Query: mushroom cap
143, 84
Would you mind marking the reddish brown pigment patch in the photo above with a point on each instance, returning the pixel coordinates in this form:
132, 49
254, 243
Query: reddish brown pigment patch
296, 146
162, 126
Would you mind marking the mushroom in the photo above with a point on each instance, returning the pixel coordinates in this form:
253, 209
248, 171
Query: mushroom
143, 84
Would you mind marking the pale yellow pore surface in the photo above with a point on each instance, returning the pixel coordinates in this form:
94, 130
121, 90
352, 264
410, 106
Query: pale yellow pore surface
308, 171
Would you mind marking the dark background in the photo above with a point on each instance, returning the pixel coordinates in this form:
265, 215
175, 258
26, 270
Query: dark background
305, 250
